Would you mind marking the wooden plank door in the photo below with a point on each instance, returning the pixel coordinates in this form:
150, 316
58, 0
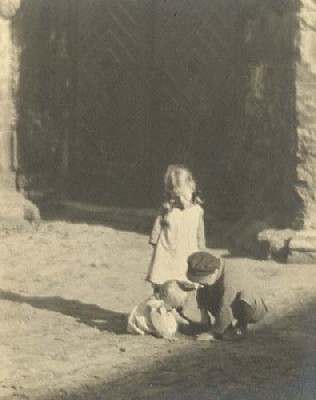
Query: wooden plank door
198, 71
112, 128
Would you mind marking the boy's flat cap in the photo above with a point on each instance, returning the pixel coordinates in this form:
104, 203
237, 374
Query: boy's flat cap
201, 264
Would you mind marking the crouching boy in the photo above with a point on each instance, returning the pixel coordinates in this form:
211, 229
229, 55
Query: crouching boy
225, 294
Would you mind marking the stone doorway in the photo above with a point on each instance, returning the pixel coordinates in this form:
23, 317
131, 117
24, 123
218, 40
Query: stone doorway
226, 87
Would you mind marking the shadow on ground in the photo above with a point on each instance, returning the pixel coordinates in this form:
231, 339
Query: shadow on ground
88, 314
124, 220
277, 362
129, 220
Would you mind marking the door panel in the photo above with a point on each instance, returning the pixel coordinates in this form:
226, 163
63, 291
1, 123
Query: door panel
112, 127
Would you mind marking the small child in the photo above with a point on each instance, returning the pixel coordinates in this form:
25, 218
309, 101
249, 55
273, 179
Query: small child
158, 317
178, 230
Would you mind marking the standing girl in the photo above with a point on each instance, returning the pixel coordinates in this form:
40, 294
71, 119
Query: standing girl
178, 230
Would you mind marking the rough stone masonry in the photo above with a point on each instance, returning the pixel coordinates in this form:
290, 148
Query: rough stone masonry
303, 246
280, 43
11, 203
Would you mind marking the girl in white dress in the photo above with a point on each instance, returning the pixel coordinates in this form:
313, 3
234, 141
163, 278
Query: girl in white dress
178, 230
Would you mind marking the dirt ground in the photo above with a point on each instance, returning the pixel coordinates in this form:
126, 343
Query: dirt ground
65, 292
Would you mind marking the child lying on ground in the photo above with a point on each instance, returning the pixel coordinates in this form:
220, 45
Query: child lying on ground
158, 316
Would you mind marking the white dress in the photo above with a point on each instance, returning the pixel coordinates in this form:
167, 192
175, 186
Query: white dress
179, 236
151, 317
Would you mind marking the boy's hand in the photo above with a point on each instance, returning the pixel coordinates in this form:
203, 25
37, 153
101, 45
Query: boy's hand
170, 338
180, 318
206, 337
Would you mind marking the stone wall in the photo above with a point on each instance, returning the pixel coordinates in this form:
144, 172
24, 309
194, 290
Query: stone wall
280, 186
270, 139
6, 98
306, 115
280, 112
11, 203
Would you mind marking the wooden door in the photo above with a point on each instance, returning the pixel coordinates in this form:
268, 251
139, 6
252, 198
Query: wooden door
197, 96
113, 57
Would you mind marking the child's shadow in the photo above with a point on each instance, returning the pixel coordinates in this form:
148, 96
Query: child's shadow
88, 314
192, 329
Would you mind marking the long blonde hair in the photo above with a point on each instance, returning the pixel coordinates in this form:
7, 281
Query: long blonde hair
172, 179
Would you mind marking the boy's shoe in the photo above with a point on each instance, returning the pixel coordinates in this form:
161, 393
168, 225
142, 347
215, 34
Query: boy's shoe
209, 337
206, 337
237, 334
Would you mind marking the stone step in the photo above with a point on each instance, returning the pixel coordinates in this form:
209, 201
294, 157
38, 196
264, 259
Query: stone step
11, 205
4, 195
302, 248
302, 257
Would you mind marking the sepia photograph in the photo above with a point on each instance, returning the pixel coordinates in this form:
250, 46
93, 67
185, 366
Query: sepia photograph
158, 199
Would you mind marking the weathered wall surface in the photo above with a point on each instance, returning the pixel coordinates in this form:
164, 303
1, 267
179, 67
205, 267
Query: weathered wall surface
280, 188
280, 112
11, 204
306, 115
6, 95
271, 122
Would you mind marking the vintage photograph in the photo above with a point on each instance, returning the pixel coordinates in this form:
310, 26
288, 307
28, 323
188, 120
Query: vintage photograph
158, 199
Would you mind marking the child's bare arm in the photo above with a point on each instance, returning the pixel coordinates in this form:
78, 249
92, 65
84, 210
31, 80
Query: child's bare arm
201, 232
164, 323
155, 233
180, 318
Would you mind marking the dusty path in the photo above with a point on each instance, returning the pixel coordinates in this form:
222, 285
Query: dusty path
64, 294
